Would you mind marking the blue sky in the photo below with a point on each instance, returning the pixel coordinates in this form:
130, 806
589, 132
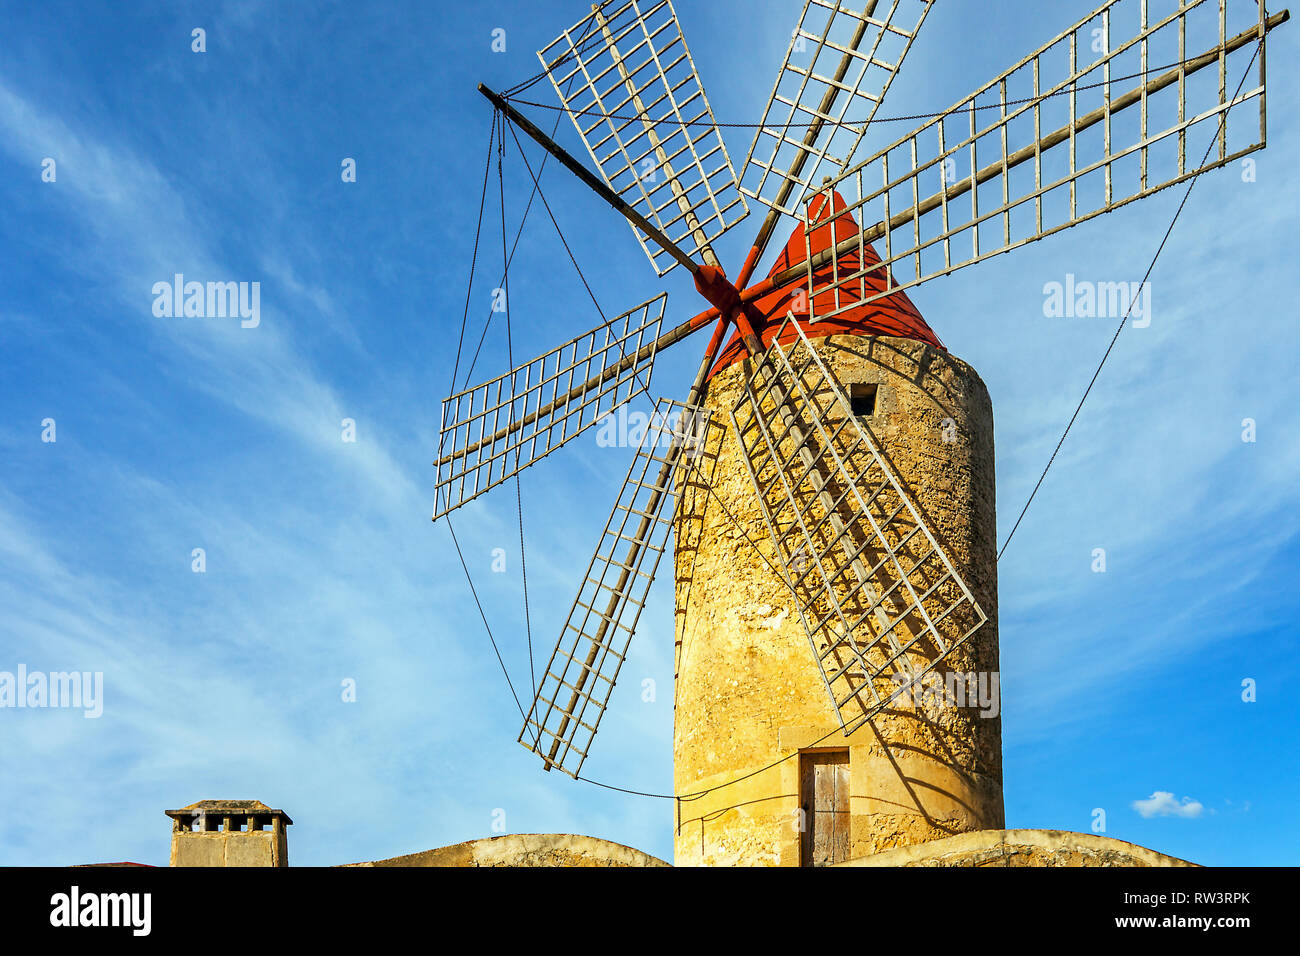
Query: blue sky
321, 563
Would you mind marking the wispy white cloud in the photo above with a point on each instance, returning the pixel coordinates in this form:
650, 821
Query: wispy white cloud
1162, 803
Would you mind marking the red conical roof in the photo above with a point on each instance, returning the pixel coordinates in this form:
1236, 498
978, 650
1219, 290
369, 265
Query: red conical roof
893, 314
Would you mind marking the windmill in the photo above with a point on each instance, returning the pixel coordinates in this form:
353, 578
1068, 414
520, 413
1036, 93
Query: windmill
1104, 114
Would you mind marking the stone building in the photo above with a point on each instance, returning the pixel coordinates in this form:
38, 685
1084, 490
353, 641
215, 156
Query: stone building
764, 772
751, 705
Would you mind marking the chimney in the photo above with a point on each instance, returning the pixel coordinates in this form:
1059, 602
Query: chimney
229, 833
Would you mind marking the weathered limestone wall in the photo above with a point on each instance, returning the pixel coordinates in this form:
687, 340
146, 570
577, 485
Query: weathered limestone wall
749, 691
979, 848
1022, 848
527, 849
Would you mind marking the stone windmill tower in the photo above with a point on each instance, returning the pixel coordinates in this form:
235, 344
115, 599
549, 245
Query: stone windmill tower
829, 478
749, 694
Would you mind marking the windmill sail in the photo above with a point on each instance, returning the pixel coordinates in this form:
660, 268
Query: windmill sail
837, 70
626, 78
575, 687
877, 595
1094, 120
492, 431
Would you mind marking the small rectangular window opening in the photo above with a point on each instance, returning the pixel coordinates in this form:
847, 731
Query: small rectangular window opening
862, 398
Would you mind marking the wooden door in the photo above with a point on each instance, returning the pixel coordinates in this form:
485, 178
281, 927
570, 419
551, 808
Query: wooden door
824, 797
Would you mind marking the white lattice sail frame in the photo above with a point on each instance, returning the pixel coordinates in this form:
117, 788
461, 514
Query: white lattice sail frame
625, 76
985, 178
